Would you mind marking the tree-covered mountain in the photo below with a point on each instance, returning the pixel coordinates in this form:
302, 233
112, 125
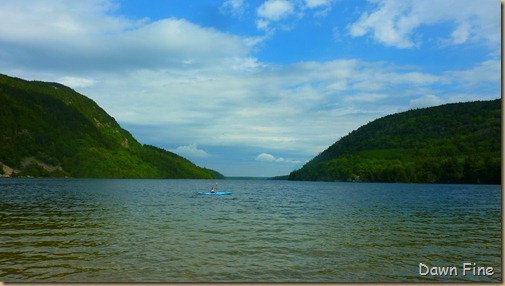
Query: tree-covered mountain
453, 143
48, 129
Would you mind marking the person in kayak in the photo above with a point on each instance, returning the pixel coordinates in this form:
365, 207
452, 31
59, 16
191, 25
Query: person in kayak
213, 190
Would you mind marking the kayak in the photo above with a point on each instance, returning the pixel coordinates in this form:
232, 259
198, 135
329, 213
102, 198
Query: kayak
215, 193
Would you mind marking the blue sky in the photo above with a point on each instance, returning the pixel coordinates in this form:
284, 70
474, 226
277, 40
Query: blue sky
255, 88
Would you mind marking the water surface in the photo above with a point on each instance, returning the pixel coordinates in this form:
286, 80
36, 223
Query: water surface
89, 230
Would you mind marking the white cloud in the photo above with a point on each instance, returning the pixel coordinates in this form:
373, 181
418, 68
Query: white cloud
396, 23
385, 26
366, 97
262, 24
426, 101
461, 34
486, 72
248, 64
84, 36
76, 82
57, 21
317, 3
321, 7
287, 107
235, 8
190, 151
282, 14
265, 157
274, 10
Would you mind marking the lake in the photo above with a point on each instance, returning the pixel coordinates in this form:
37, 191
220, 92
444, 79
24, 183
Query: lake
115, 230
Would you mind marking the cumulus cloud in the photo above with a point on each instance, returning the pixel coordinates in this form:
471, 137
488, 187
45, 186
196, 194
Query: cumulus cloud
90, 38
191, 151
395, 23
57, 21
262, 24
281, 107
235, 8
274, 10
387, 25
265, 157
320, 8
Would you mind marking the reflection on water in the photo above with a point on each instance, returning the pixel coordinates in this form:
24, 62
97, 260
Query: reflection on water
57, 230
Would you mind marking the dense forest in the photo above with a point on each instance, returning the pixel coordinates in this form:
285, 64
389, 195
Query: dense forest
49, 130
453, 143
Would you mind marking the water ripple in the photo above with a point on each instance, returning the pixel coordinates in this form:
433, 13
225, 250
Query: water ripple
267, 231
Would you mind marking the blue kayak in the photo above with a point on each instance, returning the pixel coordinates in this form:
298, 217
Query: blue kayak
215, 193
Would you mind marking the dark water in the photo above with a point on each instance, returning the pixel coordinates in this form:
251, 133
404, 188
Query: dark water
72, 230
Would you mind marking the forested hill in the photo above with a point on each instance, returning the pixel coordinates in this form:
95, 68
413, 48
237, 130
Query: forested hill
453, 143
49, 130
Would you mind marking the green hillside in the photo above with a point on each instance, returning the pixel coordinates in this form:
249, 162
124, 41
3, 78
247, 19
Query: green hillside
49, 130
453, 143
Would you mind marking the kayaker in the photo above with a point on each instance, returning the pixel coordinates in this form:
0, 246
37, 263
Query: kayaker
213, 190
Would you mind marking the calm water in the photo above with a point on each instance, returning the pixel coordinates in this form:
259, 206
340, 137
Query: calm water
73, 230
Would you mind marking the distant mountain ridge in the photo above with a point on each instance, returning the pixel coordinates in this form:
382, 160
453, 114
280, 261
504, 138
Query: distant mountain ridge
49, 130
452, 143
